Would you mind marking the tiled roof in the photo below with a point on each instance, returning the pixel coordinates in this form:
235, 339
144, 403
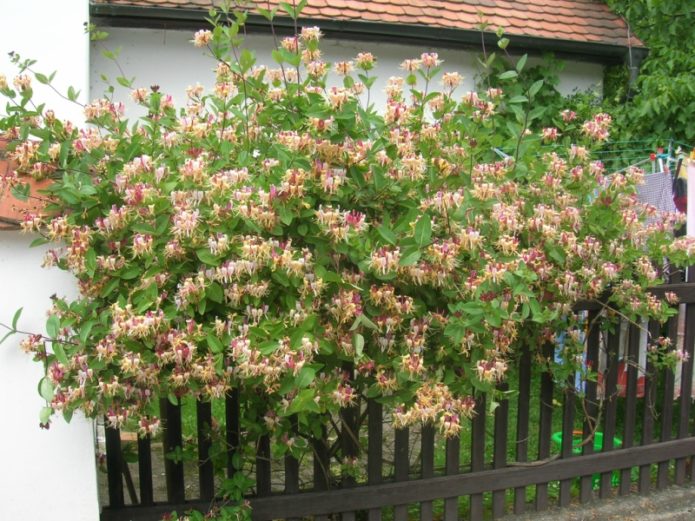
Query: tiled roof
587, 21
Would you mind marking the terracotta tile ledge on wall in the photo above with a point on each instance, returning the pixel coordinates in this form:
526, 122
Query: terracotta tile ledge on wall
12, 210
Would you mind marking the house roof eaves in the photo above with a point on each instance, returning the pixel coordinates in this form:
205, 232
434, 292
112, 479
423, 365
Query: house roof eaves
116, 15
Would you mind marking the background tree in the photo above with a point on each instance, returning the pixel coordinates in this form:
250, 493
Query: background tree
660, 105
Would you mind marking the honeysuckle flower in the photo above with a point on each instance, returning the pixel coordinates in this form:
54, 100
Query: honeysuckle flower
451, 80
311, 34
568, 115
430, 60
21, 82
365, 61
202, 38
411, 65
290, 43
344, 68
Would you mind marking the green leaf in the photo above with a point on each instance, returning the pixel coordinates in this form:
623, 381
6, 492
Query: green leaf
206, 257
503, 43
130, 273
410, 259
90, 262
358, 344
60, 353
7, 335
368, 323
508, 75
215, 293
53, 326
85, 330
45, 414
533, 90
277, 56
305, 377
518, 99
16, 316
387, 234
124, 82
41, 78
46, 389
303, 402
423, 230
39, 241
214, 343
286, 215
21, 192
521, 63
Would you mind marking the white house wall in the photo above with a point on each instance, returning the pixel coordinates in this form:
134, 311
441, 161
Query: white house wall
168, 59
44, 474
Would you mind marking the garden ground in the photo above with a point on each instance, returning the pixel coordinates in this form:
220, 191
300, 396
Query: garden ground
671, 504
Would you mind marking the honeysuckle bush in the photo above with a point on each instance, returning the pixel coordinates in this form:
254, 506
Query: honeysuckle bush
281, 236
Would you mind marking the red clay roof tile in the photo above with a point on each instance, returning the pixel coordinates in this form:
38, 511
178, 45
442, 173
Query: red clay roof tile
574, 20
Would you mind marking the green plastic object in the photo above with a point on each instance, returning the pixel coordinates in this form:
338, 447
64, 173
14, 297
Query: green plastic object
577, 438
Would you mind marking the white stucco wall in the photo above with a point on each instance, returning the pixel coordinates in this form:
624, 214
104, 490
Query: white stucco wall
168, 59
44, 474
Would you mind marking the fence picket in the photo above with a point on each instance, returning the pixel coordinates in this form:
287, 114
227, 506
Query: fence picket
478, 453
206, 472
451, 504
402, 463
686, 383
610, 399
427, 466
292, 468
590, 427
545, 426
349, 437
322, 467
630, 402
145, 470
263, 466
375, 427
232, 414
568, 414
114, 466
662, 476
172, 440
500, 450
649, 411
522, 423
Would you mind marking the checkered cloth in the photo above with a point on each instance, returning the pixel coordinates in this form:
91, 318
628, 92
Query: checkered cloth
657, 191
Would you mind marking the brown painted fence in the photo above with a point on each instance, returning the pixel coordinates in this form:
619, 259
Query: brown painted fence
413, 475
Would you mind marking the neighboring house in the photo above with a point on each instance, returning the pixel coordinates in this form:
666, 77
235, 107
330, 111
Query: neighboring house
154, 36
51, 475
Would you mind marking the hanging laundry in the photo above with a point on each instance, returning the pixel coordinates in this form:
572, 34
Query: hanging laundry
680, 187
657, 191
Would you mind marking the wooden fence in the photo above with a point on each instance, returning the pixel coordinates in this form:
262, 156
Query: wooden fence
500, 471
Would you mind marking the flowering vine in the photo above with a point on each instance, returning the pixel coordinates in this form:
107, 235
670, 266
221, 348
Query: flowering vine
281, 236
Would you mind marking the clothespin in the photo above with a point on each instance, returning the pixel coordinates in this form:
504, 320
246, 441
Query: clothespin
652, 158
660, 155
